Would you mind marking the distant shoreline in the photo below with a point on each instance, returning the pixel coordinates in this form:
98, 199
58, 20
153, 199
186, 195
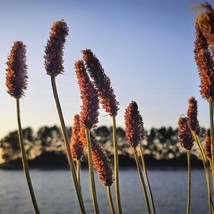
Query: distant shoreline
51, 160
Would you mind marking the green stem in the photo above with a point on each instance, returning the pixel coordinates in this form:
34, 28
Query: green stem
203, 156
206, 170
116, 168
111, 205
147, 178
189, 182
212, 138
78, 167
67, 145
91, 172
142, 180
24, 159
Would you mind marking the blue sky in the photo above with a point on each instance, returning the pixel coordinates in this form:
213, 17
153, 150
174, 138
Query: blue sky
145, 46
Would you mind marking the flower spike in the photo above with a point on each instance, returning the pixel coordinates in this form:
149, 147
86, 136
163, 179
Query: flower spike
16, 77
192, 114
89, 96
185, 135
54, 49
76, 144
102, 82
100, 160
134, 125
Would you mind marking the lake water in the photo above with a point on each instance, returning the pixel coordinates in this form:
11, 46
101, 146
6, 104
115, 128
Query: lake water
55, 192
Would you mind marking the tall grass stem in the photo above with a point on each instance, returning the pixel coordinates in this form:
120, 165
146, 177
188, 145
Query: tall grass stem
189, 181
142, 181
91, 172
78, 168
212, 138
116, 167
110, 201
24, 159
206, 171
67, 145
147, 178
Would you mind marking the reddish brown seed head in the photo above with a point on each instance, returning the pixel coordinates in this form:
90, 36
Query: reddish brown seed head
134, 125
192, 114
100, 159
16, 76
54, 49
102, 83
207, 148
205, 66
90, 102
184, 133
205, 20
76, 144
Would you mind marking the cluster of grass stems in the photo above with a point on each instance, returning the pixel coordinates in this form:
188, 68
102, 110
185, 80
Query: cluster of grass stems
95, 89
189, 128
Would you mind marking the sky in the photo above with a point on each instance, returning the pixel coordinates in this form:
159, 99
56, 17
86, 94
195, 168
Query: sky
145, 47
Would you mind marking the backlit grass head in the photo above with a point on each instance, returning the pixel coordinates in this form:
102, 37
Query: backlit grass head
207, 148
54, 49
192, 114
134, 125
90, 102
204, 63
184, 133
76, 144
16, 76
102, 82
100, 159
205, 21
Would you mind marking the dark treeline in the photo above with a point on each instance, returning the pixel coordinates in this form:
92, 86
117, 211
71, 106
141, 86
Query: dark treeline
159, 143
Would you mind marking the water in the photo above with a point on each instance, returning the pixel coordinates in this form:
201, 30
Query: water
55, 192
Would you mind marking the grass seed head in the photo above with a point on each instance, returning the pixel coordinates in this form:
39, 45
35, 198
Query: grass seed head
134, 125
102, 83
54, 49
184, 133
16, 76
90, 102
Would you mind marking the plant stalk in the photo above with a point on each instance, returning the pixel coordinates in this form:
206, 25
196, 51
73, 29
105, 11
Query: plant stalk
67, 145
147, 178
78, 167
91, 172
189, 182
197, 139
206, 171
111, 205
24, 159
116, 168
212, 138
142, 181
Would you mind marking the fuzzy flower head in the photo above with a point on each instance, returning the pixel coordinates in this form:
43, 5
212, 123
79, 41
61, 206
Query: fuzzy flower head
102, 83
184, 133
205, 20
192, 114
204, 62
76, 144
100, 159
89, 96
16, 76
134, 125
54, 49
207, 148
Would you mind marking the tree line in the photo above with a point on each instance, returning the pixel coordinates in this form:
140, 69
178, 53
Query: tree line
160, 143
